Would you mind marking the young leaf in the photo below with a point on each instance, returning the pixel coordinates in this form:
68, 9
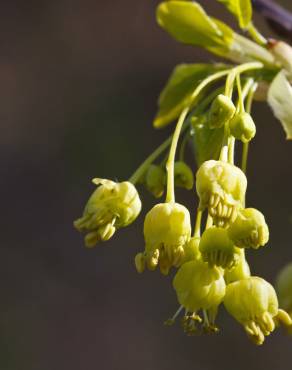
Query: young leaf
178, 89
242, 9
188, 23
207, 142
280, 100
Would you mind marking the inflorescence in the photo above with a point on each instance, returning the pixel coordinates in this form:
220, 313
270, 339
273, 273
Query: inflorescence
209, 260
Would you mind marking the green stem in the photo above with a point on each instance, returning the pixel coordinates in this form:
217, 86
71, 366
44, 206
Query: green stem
240, 104
250, 93
197, 232
231, 145
151, 158
170, 195
234, 75
250, 96
237, 71
204, 83
245, 148
141, 169
247, 87
224, 150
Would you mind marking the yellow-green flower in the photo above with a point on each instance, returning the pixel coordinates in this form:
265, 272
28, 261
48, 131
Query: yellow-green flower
199, 287
111, 206
191, 251
221, 111
217, 249
221, 188
242, 127
253, 303
183, 175
240, 271
167, 228
249, 230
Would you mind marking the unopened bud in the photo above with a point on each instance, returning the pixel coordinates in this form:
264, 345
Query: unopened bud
221, 111
242, 127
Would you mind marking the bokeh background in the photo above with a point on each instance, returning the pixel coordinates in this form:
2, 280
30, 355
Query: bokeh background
79, 83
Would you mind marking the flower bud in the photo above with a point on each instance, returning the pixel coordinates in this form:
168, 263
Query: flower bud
155, 180
221, 111
242, 127
253, 303
167, 228
217, 249
183, 175
198, 286
284, 288
249, 230
238, 272
221, 187
111, 206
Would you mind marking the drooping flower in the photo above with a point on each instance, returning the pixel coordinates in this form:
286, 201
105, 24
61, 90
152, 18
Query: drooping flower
253, 303
218, 249
111, 206
249, 230
221, 188
167, 229
199, 287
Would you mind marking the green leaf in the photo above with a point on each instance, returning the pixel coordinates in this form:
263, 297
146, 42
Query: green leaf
242, 9
178, 89
280, 99
187, 22
207, 142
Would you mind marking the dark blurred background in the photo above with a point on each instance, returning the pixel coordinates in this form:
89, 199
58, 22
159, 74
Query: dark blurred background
79, 83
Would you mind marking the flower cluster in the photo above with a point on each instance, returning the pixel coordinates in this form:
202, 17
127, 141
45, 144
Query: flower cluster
208, 261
